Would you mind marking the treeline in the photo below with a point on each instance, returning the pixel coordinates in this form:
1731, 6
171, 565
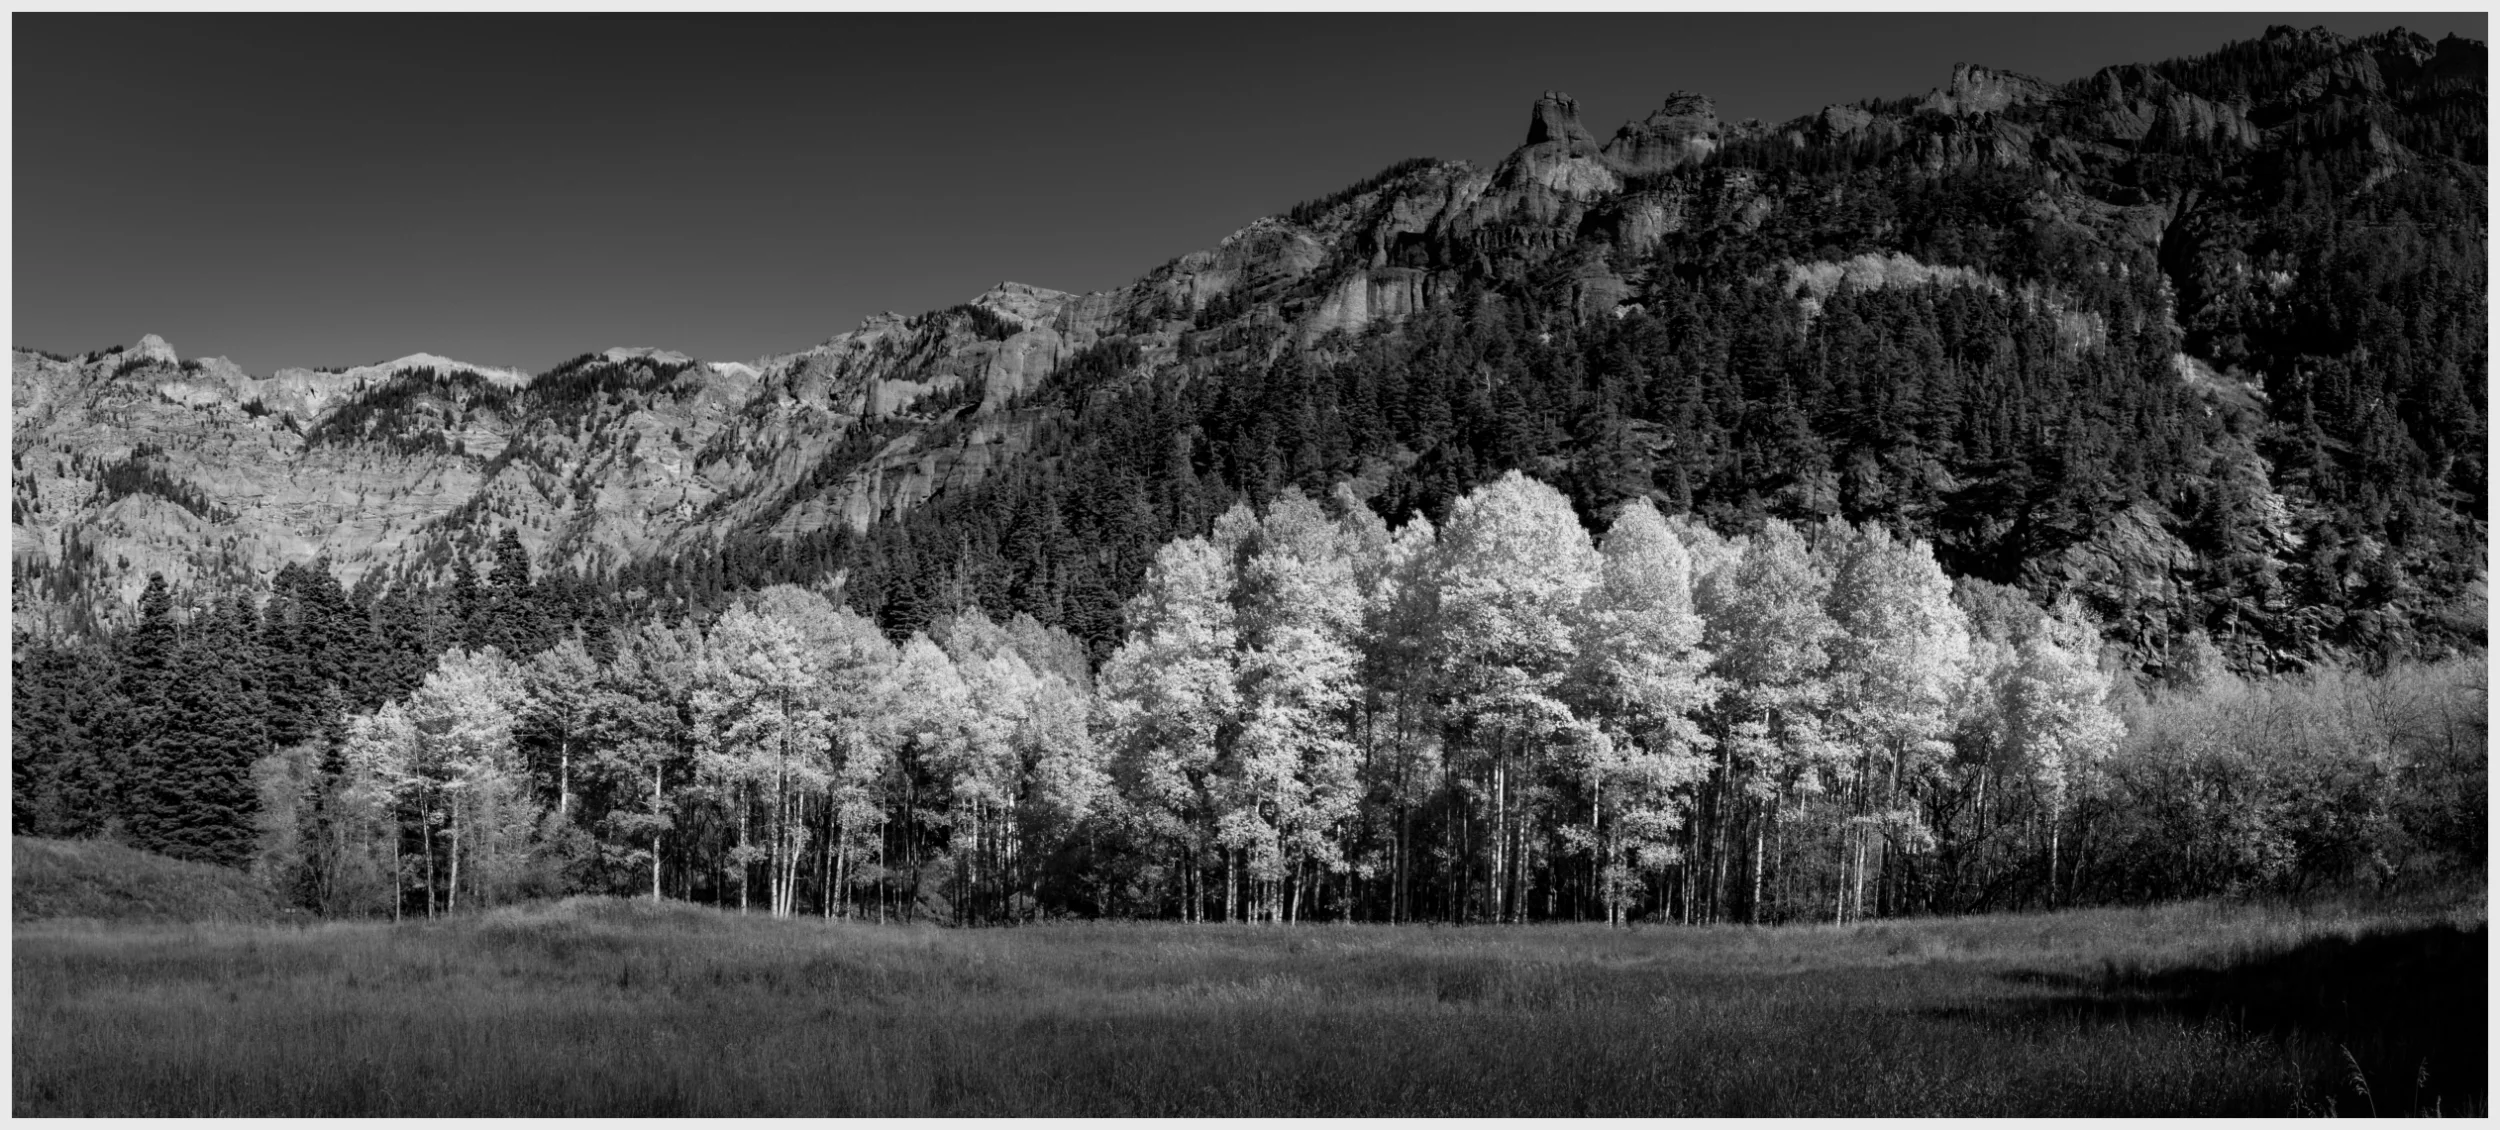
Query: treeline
1314, 716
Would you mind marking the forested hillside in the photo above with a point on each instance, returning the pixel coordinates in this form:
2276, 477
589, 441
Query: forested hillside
1848, 516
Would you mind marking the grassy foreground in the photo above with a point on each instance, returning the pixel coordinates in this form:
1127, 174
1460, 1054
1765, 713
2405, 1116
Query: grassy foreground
608, 1007
93, 879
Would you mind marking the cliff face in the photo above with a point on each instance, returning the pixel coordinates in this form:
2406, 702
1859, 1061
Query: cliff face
1683, 131
137, 460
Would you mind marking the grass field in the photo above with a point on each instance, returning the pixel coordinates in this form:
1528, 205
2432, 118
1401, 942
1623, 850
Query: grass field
616, 1008
91, 879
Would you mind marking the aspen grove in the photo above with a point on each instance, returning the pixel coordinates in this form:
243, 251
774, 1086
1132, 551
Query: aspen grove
1314, 716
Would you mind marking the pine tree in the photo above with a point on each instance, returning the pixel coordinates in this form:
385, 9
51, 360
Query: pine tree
515, 621
199, 802
63, 706
134, 748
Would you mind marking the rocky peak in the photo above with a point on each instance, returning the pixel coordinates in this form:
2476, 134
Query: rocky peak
1557, 118
2285, 35
1685, 112
1682, 131
2403, 43
1559, 161
154, 349
622, 354
1980, 90
1024, 302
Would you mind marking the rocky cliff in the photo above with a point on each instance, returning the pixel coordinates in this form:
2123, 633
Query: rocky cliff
136, 460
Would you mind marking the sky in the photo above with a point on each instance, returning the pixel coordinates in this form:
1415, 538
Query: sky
290, 190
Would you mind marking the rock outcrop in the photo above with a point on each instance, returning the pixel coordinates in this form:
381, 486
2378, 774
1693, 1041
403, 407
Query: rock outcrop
646, 451
1683, 131
1559, 162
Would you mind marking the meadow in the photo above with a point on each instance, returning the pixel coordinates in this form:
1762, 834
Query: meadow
610, 1007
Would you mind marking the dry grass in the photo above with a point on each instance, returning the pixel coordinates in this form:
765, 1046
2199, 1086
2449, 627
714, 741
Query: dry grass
614, 1008
93, 879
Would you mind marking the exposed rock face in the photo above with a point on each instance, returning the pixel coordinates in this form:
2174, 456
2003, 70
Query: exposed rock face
2136, 105
1981, 90
1645, 220
1843, 121
1556, 120
1365, 297
1558, 165
1684, 131
1812, 283
154, 349
652, 451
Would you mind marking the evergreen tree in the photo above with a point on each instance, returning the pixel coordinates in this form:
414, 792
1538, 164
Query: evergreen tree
198, 801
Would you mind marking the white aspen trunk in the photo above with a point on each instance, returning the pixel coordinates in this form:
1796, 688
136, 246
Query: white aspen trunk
451, 893
425, 822
1719, 829
1493, 884
1779, 851
655, 830
1753, 900
564, 777
1883, 846
838, 852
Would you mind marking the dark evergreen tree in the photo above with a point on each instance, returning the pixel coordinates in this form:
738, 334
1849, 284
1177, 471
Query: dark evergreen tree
198, 801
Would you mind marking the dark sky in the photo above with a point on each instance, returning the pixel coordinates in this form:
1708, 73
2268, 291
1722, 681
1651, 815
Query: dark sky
299, 190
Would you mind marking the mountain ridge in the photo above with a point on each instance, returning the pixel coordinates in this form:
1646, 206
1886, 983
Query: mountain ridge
639, 454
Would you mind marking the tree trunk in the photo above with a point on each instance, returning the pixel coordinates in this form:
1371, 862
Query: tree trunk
1399, 908
838, 884
2053, 822
451, 892
425, 822
1496, 881
1720, 829
1753, 900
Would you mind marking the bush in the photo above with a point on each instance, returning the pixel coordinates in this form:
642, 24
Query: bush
2330, 779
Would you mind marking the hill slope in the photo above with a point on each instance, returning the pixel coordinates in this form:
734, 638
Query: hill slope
96, 879
2198, 341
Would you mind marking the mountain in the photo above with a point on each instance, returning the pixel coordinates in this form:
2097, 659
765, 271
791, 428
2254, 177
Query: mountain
2200, 341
